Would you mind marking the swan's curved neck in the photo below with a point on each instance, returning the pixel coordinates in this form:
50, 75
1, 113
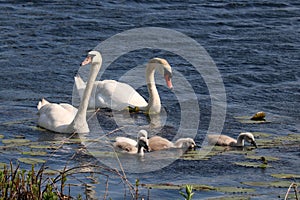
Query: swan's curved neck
154, 104
140, 150
180, 142
79, 123
240, 140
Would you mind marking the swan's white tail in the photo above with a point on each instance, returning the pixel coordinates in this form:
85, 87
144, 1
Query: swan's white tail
42, 103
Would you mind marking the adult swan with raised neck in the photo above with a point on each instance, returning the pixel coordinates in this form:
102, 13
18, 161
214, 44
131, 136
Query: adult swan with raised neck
64, 118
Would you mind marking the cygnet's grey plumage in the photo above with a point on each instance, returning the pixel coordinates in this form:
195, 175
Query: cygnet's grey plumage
157, 143
224, 140
130, 146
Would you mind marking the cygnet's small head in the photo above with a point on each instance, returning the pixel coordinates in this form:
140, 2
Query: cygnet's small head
92, 57
190, 143
185, 143
143, 133
164, 68
249, 138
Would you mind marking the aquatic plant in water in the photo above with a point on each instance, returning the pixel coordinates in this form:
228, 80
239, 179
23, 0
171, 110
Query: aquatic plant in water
188, 192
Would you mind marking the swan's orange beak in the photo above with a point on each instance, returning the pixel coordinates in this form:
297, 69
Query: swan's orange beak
86, 61
168, 80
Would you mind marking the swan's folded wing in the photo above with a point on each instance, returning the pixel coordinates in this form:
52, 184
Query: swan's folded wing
128, 96
126, 140
157, 143
69, 108
221, 140
55, 117
118, 96
136, 100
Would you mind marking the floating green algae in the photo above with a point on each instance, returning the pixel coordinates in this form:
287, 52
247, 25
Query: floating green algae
31, 161
51, 172
225, 189
252, 164
162, 186
231, 198
15, 141
199, 155
287, 140
37, 146
267, 158
261, 135
286, 176
170, 186
34, 153
276, 184
228, 189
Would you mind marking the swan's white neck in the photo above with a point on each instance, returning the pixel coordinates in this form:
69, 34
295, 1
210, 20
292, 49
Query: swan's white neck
79, 123
154, 104
240, 140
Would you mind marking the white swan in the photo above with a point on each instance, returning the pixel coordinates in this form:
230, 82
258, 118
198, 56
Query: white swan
64, 118
116, 95
131, 146
157, 143
224, 140
111, 94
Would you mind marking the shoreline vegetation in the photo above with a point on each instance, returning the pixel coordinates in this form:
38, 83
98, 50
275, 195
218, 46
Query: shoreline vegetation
17, 183
42, 183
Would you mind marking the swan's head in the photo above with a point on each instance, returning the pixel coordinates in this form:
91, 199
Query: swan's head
143, 133
247, 136
164, 68
92, 57
186, 143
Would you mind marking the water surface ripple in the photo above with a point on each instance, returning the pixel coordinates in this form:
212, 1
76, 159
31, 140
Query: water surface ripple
255, 45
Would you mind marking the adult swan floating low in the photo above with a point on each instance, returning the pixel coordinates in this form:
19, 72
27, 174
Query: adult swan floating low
117, 96
64, 118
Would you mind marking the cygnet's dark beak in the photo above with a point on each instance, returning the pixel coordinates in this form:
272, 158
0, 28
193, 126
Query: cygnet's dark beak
254, 144
147, 148
192, 146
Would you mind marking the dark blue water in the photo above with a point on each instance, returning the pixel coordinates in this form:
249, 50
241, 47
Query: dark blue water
254, 44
